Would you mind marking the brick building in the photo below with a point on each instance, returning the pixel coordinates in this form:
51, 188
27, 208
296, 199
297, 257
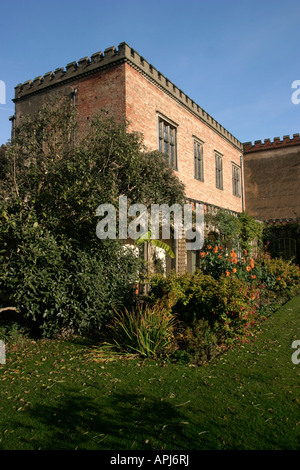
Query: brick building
272, 182
207, 158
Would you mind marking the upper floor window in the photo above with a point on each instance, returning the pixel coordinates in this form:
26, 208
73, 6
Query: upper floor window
219, 170
236, 180
198, 160
167, 141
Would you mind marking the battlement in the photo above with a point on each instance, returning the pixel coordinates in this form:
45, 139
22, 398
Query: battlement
113, 56
268, 144
72, 71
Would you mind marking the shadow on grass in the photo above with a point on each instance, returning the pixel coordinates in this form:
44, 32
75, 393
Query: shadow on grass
115, 422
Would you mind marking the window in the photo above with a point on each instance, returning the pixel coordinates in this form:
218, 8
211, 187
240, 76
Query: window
167, 141
236, 180
198, 160
219, 170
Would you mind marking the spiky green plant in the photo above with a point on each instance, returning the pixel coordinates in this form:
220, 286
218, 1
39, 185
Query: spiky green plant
145, 330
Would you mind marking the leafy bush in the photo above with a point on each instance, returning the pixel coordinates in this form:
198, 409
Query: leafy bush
234, 231
145, 329
284, 275
54, 268
200, 342
171, 289
13, 332
228, 304
57, 287
276, 275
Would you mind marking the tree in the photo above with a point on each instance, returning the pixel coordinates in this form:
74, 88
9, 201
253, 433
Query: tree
224, 224
250, 230
237, 231
54, 268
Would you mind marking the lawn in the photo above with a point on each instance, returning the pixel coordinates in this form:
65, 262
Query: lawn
65, 395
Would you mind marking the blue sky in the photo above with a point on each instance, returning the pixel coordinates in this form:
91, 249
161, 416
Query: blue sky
237, 59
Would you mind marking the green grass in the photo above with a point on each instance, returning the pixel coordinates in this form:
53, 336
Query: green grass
63, 395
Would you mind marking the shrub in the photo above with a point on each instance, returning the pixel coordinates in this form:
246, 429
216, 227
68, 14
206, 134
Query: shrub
13, 332
284, 274
55, 269
229, 305
57, 287
171, 289
217, 261
145, 329
200, 342
219, 304
240, 231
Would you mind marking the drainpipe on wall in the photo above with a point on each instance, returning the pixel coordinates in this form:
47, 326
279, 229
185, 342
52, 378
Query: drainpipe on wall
242, 182
74, 93
13, 125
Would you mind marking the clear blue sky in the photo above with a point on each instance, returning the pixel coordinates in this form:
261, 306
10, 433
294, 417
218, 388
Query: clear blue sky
237, 59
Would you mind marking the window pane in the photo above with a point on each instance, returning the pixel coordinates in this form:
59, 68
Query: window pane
198, 160
219, 172
165, 133
167, 141
172, 156
236, 176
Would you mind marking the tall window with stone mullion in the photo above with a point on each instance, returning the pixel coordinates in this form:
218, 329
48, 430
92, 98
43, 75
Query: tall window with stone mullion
167, 142
219, 171
236, 180
198, 160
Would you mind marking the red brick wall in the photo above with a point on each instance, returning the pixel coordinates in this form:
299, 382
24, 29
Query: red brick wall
143, 101
126, 93
272, 177
102, 90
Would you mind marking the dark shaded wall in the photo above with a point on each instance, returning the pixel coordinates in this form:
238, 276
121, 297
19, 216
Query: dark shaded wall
272, 179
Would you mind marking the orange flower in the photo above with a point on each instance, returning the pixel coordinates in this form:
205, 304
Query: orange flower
279, 278
202, 254
227, 273
234, 270
248, 268
215, 249
245, 252
235, 261
220, 256
252, 263
253, 276
244, 260
209, 247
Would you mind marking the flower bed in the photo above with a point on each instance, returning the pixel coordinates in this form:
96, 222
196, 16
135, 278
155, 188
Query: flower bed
220, 304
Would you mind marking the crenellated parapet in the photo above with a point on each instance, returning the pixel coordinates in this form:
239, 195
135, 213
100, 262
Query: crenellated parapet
269, 144
111, 57
72, 71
